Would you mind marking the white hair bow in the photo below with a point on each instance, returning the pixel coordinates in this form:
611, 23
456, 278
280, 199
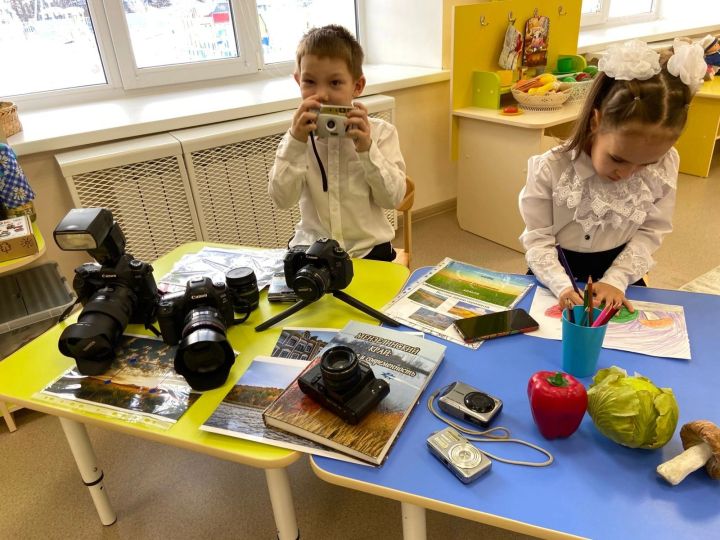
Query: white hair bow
688, 63
629, 61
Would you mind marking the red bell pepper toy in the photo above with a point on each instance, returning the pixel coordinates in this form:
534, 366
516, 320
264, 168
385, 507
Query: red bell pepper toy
558, 402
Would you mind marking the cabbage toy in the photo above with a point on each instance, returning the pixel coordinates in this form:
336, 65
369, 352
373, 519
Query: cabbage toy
632, 411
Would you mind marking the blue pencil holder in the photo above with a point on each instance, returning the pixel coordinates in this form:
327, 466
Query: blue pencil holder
581, 344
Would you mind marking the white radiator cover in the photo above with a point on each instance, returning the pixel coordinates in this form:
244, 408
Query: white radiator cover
206, 183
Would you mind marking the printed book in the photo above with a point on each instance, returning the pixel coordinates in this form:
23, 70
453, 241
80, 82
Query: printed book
240, 412
405, 361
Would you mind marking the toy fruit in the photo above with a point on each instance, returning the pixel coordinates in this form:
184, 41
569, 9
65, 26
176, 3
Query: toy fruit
582, 76
568, 79
510, 109
557, 401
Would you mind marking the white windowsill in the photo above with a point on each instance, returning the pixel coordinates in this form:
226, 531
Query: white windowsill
106, 120
695, 23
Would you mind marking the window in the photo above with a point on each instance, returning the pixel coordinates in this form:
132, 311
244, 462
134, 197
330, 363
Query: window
60, 45
617, 11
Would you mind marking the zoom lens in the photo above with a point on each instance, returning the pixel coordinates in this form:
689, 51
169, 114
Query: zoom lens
311, 282
243, 289
204, 356
479, 402
340, 369
91, 341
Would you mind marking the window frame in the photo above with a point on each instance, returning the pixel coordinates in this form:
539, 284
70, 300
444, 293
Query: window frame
603, 16
248, 60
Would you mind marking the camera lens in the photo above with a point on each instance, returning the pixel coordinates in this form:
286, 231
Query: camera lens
340, 369
204, 356
330, 125
243, 289
479, 402
92, 339
311, 282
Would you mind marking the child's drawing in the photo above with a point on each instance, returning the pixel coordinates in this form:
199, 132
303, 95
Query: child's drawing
653, 329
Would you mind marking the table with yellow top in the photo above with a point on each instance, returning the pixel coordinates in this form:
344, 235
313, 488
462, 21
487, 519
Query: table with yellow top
33, 367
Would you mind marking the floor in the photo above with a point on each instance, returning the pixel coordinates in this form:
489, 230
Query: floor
161, 491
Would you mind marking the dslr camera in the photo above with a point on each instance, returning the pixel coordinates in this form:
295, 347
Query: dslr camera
322, 267
343, 384
332, 121
118, 290
457, 453
470, 404
197, 319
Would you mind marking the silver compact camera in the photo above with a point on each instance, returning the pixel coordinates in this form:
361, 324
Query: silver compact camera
332, 121
470, 404
455, 451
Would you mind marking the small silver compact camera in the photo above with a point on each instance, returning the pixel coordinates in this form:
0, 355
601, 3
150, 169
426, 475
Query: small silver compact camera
455, 451
470, 404
332, 121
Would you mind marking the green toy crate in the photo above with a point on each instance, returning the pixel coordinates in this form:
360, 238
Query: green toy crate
33, 300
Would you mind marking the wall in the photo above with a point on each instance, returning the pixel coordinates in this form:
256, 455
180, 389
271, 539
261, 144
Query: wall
422, 117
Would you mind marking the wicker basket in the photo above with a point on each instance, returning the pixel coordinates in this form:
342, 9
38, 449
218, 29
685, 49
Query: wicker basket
9, 121
550, 101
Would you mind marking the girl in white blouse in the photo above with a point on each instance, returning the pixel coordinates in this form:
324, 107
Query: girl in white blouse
606, 196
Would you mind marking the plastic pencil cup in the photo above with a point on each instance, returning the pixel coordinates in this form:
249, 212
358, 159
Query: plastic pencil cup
581, 344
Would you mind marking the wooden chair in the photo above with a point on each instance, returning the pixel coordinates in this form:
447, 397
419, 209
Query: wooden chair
403, 255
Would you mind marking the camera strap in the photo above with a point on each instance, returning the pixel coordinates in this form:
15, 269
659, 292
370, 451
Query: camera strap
320, 164
494, 434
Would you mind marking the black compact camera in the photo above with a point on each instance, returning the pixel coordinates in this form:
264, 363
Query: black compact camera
197, 319
117, 291
322, 267
343, 384
470, 404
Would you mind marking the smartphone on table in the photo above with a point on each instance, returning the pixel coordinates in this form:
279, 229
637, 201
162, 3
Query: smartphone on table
492, 325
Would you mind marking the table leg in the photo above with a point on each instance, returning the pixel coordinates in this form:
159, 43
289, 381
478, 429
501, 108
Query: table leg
413, 519
282, 504
7, 415
90, 472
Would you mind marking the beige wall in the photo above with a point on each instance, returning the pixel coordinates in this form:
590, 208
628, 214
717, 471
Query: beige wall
422, 116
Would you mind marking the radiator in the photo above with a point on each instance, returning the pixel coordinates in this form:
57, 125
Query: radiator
144, 183
206, 183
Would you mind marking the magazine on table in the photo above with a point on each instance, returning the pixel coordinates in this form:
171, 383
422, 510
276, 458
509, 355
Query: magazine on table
405, 361
455, 290
240, 414
140, 386
216, 262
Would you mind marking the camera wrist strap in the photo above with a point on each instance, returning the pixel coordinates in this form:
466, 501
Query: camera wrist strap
491, 435
322, 168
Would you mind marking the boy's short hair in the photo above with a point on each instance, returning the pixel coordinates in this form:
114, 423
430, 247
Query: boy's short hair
332, 41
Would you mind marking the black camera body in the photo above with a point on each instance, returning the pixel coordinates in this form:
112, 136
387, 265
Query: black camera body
126, 272
343, 384
311, 271
117, 291
174, 308
197, 319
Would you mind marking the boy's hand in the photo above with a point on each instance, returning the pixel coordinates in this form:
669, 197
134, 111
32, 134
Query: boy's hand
305, 119
610, 296
359, 127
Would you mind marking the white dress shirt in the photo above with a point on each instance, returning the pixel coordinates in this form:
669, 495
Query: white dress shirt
565, 202
360, 185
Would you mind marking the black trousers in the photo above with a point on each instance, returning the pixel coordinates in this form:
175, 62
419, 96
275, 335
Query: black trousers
382, 252
593, 264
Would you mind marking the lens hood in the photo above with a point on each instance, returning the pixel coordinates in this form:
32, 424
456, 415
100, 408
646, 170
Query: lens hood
204, 357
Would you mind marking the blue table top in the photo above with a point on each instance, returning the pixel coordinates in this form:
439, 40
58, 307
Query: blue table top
595, 488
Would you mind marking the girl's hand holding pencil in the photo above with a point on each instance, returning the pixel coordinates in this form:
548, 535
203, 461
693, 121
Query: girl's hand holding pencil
610, 296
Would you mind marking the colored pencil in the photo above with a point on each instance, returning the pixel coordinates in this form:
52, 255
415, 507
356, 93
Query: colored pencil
566, 266
591, 307
607, 314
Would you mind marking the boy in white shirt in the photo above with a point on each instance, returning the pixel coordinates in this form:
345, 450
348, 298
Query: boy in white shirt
365, 169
